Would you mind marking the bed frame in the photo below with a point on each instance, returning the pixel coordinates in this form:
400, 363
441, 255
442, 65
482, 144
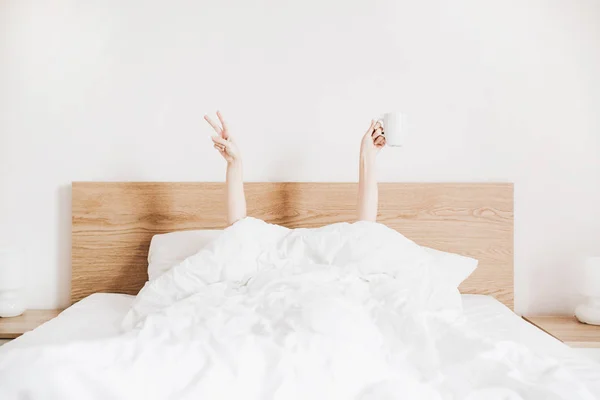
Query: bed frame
113, 223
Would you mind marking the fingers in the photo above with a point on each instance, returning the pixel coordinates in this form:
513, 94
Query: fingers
219, 140
376, 133
225, 131
221, 144
369, 131
372, 127
380, 141
221, 130
378, 127
215, 126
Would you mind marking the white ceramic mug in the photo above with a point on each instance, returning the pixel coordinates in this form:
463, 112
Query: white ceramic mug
392, 127
12, 283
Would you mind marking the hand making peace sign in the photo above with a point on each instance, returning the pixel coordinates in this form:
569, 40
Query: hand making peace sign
223, 140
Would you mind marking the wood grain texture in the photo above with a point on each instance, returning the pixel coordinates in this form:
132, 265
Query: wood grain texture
113, 223
569, 330
13, 327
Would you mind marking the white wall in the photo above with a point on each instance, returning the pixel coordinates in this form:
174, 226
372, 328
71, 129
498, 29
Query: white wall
494, 91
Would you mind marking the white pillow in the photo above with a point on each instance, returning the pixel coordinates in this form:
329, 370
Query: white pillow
450, 267
169, 249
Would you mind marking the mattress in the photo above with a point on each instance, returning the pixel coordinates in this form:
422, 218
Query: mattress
100, 315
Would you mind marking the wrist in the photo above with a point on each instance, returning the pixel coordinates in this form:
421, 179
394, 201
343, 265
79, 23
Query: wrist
366, 159
237, 163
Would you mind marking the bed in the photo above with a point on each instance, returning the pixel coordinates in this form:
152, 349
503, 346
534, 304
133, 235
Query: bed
113, 224
100, 315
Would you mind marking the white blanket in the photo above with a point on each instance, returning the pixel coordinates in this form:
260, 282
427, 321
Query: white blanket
348, 311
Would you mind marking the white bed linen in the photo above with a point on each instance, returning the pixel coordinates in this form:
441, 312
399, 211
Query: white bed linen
169, 249
345, 311
100, 315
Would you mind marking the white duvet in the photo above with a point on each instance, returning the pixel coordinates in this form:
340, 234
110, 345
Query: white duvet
348, 311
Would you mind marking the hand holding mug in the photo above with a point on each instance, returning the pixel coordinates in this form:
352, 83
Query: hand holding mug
373, 140
392, 128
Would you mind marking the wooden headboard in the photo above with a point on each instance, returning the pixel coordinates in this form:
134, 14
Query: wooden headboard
113, 223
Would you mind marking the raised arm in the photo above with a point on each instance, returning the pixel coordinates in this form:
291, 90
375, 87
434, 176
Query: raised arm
368, 195
224, 143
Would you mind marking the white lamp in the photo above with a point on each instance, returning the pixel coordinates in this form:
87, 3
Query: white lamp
12, 301
589, 312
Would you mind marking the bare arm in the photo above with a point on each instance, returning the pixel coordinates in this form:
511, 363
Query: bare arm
236, 199
368, 195
224, 143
